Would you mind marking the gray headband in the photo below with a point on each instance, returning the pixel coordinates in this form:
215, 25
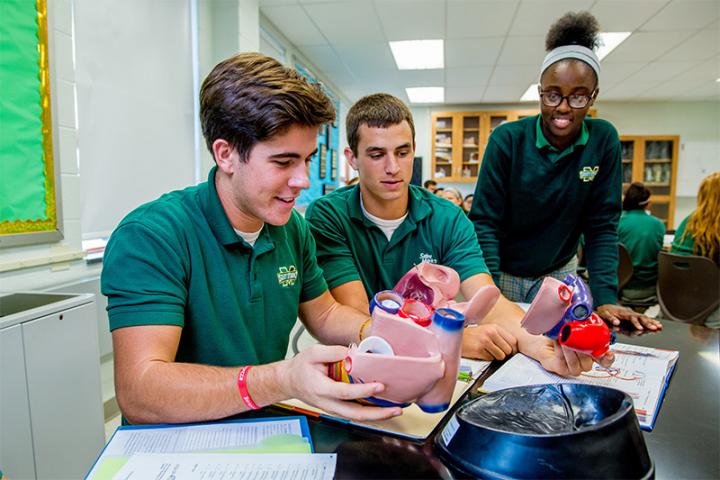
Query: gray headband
577, 52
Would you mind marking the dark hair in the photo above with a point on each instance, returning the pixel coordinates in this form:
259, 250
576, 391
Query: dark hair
379, 110
469, 195
573, 28
427, 183
251, 97
636, 197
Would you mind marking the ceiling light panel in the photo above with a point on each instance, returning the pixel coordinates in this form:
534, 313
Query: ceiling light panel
418, 54
425, 94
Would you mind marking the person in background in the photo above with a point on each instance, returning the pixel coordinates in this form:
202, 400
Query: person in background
352, 181
467, 203
699, 232
430, 185
547, 179
439, 191
205, 282
454, 195
642, 234
369, 235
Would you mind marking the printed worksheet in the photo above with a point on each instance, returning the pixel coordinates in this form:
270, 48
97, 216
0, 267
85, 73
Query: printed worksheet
641, 372
199, 466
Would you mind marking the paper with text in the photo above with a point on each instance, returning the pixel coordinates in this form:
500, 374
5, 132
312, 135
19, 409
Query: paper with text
641, 372
228, 466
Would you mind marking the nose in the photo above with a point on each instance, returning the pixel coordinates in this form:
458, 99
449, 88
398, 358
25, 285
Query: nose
392, 166
564, 105
299, 178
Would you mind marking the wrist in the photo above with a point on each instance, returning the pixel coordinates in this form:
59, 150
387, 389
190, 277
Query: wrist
242, 386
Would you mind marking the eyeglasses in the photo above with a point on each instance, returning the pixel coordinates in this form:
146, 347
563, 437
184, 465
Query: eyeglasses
553, 99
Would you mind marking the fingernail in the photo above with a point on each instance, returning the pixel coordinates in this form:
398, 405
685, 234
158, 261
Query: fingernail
379, 388
397, 413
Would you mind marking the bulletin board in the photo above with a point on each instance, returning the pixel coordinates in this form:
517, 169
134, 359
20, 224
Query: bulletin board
29, 191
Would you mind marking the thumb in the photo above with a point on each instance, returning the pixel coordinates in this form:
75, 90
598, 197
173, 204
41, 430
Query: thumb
327, 353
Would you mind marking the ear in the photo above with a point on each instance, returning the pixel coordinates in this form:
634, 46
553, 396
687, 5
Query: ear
223, 153
350, 158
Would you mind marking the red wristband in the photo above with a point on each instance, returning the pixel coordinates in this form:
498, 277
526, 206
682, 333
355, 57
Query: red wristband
242, 387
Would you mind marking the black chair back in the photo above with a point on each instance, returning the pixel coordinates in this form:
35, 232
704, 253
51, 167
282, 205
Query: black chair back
688, 287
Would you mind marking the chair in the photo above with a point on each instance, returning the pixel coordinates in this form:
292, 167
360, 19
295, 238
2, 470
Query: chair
688, 287
625, 266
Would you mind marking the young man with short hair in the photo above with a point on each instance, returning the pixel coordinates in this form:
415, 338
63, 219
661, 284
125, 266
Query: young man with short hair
370, 234
204, 283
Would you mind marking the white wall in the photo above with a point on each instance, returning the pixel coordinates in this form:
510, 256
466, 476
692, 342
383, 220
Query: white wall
697, 124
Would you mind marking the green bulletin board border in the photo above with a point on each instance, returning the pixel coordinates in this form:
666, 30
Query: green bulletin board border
50, 222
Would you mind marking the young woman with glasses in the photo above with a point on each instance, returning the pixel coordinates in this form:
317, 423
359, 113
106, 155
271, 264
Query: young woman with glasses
545, 180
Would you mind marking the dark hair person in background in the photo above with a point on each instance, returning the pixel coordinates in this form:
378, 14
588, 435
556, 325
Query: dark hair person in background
430, 185
467, 203
547, 179
699, 232
642, 234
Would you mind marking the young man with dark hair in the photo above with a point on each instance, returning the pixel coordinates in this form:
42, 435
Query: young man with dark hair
204, 283
430, 185
370, 234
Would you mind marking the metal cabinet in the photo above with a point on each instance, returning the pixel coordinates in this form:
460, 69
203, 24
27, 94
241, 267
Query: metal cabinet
50, 377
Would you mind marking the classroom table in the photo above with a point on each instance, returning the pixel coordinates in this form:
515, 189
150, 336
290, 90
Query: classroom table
685, 442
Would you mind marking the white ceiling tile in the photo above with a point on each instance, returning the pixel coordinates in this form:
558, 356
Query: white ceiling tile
515, 75
270, 3
664, 90
472, 19
346, 22
325, 58
422, 78
646, 46
366, 58
615, 16
503, 93
535, 16
612, 73
660, 71
627, 90
684, 15
709, 91
294, 23
419, 20
523, 51
474, 52
701, 46
706, 72
465, 77
464, 94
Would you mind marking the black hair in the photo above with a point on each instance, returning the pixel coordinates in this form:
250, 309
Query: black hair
428, 183
636, 197
574, 28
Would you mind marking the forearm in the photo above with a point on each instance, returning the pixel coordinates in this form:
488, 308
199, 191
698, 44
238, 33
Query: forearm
331, 322
509, 315
169, 392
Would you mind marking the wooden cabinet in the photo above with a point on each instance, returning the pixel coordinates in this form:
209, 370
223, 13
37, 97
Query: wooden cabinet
459, 140
653, 160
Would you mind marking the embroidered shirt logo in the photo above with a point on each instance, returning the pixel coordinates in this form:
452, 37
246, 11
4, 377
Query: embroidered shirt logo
427, 258
287, 276
587, 174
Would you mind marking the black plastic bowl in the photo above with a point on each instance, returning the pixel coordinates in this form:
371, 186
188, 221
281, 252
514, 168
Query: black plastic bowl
547, 431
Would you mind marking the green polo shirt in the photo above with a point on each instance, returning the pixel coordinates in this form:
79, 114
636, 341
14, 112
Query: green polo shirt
552, 152
680, 245
531, 207
178, 261
351, 247
642, 234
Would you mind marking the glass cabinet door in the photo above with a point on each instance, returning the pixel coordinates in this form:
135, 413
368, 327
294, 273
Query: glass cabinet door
443, 147
471, 147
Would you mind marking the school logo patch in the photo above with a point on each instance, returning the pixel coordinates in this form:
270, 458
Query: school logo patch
287, 276
587, 174
427, 258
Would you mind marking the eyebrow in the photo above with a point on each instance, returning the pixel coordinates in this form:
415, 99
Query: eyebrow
292, 154
382, 149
